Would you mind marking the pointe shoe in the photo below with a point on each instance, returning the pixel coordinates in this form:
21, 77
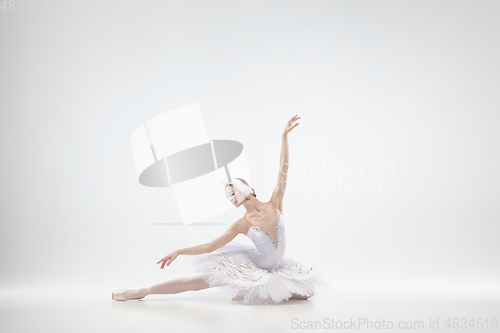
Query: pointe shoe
118, 295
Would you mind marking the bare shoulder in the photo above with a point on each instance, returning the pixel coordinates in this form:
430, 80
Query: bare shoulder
241, 226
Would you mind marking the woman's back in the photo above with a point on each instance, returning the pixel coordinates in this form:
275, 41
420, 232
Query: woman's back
265, 220
268, 249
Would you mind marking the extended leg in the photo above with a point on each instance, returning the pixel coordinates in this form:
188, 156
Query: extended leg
174, 286
180, 285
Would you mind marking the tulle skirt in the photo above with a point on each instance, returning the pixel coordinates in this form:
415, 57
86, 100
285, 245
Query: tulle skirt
231, 269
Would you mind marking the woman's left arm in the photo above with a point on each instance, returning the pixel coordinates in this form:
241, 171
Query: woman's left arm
279, 190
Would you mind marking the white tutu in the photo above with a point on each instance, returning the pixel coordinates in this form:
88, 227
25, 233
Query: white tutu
235, 272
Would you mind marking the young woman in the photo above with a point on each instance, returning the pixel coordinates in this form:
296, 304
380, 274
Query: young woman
257, 274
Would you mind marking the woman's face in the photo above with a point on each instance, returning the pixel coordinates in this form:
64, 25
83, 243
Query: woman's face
233, 196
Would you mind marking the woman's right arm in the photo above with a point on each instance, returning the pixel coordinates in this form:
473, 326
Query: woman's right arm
233, 230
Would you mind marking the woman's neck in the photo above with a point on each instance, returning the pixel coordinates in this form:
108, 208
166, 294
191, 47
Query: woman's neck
253, 206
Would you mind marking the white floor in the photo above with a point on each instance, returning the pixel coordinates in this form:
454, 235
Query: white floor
66, 310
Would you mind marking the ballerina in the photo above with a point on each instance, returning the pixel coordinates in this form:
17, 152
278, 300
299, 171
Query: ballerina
257, 274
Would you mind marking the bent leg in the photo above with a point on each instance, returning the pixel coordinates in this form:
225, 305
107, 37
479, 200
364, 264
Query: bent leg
297, 296
180, 285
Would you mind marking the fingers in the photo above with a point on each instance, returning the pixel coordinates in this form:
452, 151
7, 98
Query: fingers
163, 261
294, 118
167, 260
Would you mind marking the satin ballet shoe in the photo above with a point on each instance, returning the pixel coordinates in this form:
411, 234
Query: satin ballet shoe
118, 295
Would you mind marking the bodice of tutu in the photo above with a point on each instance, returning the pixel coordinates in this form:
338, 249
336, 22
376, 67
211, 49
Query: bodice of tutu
267, 252
258, 273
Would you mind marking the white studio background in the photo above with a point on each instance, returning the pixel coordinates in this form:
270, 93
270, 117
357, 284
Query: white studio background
407, 86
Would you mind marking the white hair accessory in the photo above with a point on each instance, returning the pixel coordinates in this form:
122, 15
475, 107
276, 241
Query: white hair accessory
241, 187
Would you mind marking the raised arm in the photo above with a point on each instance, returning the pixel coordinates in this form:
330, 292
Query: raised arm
233, 230
279, 190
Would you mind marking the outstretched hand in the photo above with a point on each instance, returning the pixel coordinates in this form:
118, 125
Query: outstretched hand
290, 126
168, 259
